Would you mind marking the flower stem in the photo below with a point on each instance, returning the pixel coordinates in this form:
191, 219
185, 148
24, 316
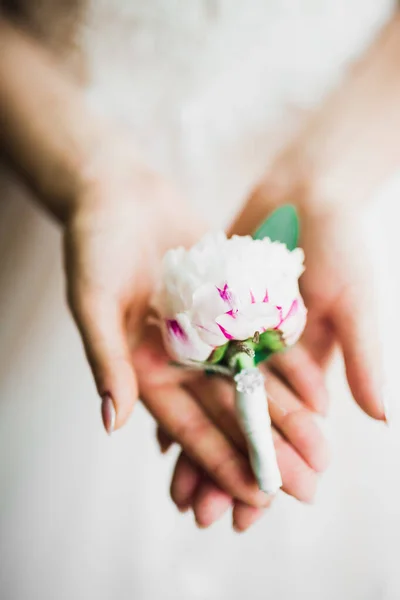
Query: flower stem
244, 361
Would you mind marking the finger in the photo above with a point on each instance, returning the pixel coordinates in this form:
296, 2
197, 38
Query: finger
100, 321
164, 441
299, 480
288, 414
359, 341
216, 396
183, 419
153, 363
304, 376
319, 339
243, 516
210, 503
297, 424
185, 480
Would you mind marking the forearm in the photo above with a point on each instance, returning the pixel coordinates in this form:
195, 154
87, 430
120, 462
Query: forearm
353, 142
350, 145
45, 128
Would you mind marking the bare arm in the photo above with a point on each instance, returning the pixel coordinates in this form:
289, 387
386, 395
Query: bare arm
349, 146
45, 127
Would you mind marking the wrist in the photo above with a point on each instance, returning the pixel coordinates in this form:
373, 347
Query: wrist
291, 179
47, 132
115, 186
63, 183
296, 178
97, 176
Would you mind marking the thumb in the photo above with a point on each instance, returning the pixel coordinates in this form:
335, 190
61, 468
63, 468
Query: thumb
355, 322
101, 324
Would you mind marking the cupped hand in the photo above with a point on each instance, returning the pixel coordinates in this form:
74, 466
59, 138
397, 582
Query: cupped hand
197, 411
337, 291
122, 223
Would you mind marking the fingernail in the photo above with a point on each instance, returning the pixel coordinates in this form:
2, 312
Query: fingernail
309, 501
236, 528
264, 499
163, 444
324, 409
386, 405
201, 525
108, 413
184, 508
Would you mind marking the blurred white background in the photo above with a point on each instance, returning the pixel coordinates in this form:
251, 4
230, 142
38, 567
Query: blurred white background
86, 517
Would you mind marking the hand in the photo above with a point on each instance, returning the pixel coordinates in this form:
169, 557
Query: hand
119, 227
197, 412
122, 222
336, 287
341, 310
300, 447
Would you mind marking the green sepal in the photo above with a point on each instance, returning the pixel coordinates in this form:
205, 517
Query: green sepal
218, 354
281, 226
244, 361
271, 341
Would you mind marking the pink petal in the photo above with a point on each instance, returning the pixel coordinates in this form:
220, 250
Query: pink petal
292, 325
246, 321
183, 341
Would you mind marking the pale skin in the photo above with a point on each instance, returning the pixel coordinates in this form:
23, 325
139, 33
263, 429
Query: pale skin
91, 180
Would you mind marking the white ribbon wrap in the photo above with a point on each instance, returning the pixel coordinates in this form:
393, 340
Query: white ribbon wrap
255, 422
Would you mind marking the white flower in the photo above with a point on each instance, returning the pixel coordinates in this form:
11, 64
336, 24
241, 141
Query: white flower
228, 289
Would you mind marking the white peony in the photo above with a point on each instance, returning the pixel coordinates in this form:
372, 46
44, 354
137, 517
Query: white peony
228, 289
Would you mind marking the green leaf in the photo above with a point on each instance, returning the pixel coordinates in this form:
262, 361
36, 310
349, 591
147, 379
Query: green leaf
218, 354
281, 226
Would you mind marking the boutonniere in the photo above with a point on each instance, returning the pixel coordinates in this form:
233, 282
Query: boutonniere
228, 304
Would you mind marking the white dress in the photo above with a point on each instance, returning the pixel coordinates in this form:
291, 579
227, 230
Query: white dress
209, 90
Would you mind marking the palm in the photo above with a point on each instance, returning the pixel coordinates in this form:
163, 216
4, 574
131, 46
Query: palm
114, 242
337, 290
198, 412
327, 274
115, 250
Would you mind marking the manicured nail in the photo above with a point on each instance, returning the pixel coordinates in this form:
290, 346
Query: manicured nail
108, 413
163, 442
201, 525
162, 446
386, 405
